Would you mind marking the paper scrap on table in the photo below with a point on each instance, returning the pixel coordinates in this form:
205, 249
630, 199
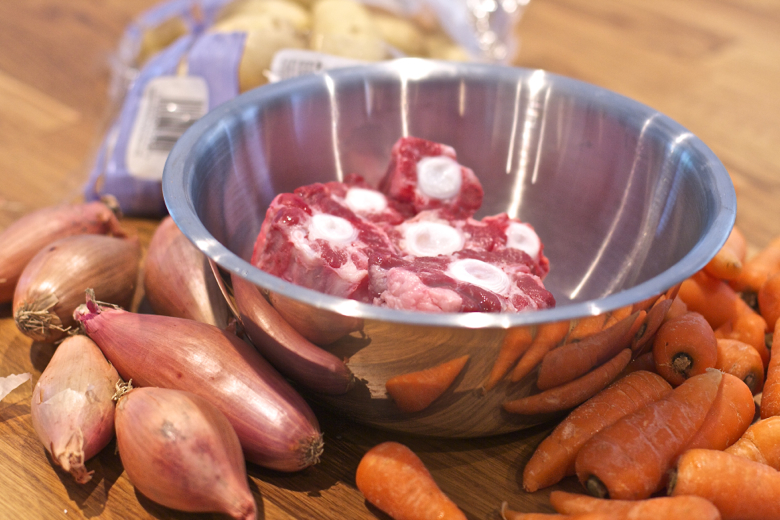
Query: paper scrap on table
9, 383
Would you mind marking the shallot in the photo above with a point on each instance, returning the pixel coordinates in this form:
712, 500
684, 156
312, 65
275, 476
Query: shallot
178, 280
53, 283
10, 383
180, 451
291, 354
31, 233
72, 408
276, 427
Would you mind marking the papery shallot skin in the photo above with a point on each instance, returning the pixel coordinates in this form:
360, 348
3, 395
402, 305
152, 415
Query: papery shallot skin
180, 451
72, 408
178, 280
24, 238
52, 285
276, 427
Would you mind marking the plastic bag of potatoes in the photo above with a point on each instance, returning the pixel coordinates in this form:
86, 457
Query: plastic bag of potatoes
184, 57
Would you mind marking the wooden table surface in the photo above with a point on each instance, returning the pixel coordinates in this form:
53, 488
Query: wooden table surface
712, 65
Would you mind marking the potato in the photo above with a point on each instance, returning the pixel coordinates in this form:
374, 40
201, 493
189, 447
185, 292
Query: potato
400, 33
345, 28
440, 47
281, 10
154, 39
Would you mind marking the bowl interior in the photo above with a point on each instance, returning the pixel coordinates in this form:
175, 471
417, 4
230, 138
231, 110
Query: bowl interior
626, 201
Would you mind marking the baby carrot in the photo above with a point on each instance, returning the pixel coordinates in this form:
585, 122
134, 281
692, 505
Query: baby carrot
629, 459
652, 322
585, 327
757, 269
554, 457
684, 347
730, 415
677, 308
748, 328
760, 443
415, 391
508, 514
712, 298
618, 314
727, 263
742, 361
572, 393
741, 489
548, 336
644, 362
769, 300
395, 480
659, 508
770, 400
572, 360
515, 344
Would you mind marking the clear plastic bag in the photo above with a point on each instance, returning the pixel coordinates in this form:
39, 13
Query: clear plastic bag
183, 57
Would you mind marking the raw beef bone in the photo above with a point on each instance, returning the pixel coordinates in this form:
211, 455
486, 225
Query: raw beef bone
426, 175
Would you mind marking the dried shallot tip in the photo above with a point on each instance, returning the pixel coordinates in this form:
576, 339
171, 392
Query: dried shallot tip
24, 238
72, 408
178, 280
288, 351
276, 427
52, 285
180, 451
10, 383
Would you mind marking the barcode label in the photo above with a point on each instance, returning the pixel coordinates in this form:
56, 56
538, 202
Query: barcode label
290, 63
168, 107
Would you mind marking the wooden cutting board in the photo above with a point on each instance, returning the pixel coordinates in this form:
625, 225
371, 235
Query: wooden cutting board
713, 65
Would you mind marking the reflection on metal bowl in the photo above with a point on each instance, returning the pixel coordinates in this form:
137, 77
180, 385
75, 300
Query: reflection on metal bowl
627, 202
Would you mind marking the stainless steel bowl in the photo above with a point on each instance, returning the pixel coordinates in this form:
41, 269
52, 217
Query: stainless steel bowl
628, 204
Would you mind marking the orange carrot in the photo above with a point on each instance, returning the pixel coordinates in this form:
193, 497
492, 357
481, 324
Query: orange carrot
742, 361
618, 314
649, 328
757, 269
417, 390
554, 458
629, 459
678, 308
741, 489
508, 514
644, 362
684, 347
645, 304
659, 508
712, 298
395, 480
573, 393
515, 344
727, 263
585, 327
760, 443
770, 400
748, 328
572, 360
548, 336
769, 300
730, 415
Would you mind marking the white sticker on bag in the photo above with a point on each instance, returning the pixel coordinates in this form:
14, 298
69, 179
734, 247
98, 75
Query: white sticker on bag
169, 106
291, 63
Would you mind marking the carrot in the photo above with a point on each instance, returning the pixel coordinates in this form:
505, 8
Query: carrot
740, 488
548, 336
741, 360
508, 514
395, 480
585, 327
769, 300
644, 362
415, 391
554, 457
645, 304
618, 314
727, 263
677, 308
730, 415
748, 328
684, 347
760, 443
573, 393
629, 459
572, 360
659, 508
757, 269
712, 298
515, 344
770, 400
650, 326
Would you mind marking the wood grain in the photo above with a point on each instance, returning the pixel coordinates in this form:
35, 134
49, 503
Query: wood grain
712, 65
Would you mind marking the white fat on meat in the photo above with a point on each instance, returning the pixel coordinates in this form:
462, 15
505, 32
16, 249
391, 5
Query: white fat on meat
426, 238
523, 237
363, 201
333, 229
481, 274
439, 177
